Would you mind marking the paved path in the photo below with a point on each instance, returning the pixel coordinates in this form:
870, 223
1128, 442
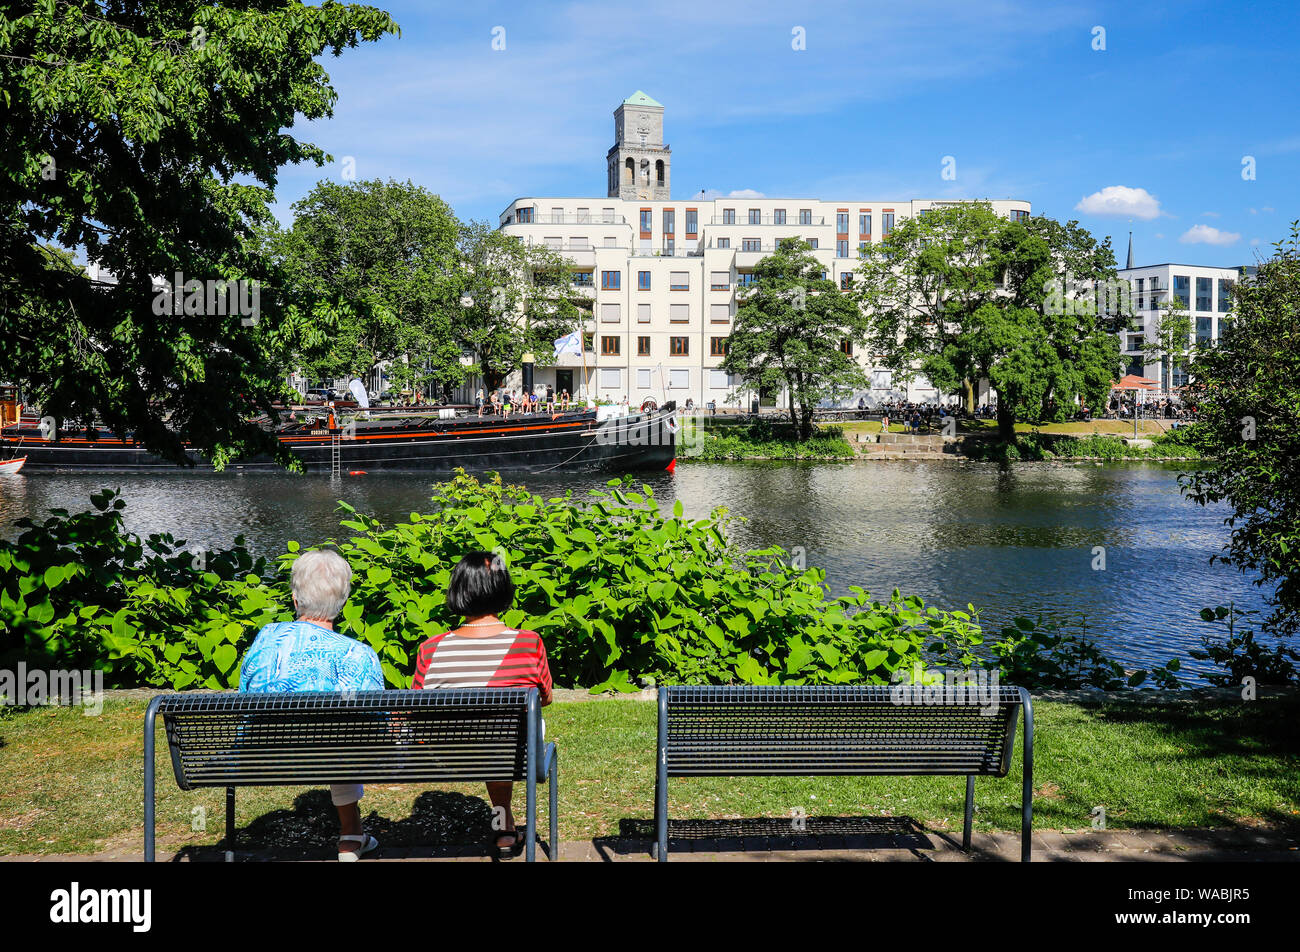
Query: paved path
1049, 846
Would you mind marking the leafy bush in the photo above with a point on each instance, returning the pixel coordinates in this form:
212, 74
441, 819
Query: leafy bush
1241, 656
1036, 655
764, 439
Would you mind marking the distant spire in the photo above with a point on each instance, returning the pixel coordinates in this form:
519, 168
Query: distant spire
1130, 249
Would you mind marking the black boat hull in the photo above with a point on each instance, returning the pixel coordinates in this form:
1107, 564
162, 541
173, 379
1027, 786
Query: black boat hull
532, 443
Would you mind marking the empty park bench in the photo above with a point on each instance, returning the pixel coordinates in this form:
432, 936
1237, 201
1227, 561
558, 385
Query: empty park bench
842, 731
307, 739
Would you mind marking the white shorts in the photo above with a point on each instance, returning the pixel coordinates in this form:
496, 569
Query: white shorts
345, 793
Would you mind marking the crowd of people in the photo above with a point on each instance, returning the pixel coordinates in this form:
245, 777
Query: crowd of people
503, 402
1158, 408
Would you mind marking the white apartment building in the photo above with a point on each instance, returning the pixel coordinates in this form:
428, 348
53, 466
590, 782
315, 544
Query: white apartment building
663, 274
1206, 292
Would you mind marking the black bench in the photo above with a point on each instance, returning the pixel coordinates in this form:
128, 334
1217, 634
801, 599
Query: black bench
842, 731
253, 740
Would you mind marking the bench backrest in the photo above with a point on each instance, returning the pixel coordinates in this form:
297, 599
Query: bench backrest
830, 731
232, 739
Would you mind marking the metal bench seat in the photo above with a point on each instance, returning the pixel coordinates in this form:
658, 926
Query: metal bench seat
842, 731
231, 740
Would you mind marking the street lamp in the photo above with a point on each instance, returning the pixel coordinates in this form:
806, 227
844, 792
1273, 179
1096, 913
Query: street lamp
529, 360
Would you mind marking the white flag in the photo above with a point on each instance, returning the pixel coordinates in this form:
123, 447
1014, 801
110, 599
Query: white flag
572, 344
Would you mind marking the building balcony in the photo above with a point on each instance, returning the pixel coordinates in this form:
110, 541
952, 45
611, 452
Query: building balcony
788, 222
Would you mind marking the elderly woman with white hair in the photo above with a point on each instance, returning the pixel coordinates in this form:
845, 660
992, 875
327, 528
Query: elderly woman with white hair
309, 655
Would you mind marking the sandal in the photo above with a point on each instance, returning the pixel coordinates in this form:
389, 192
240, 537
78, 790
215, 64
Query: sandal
511, 851
368, 844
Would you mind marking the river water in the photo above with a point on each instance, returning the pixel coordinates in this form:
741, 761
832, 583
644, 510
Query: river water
1009, 541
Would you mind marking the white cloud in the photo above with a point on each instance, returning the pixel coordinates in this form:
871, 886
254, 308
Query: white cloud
1160, 234
1254, 242
1121, 201
1209, 214
709, 194
1208, 235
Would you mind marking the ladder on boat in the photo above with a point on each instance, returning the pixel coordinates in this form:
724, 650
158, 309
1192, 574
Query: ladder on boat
336, 452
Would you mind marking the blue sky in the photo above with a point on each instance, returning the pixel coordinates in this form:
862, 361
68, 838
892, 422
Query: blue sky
1149, 134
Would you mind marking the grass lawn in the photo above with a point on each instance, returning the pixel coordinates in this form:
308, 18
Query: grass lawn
74, 783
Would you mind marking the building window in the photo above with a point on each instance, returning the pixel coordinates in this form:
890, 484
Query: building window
692, 222
643, 280
720, 281
584, 215
745, 279
812, 243
607, 215
756, 216
1019, 214
751, 244
583, 279
1205, 294
643, 346
846, 347
670, 221
862, 248
724, 242
646, 224
609, 346
611, 280
679, 379
864, 225
1183, 290
805, 216
717, 347
1141, 294
1204, 330
778, 217
669, 246
719, 313
679, 281
589, 342
1225, 295
728, 216
841, 248
886, 223
610, 313
841, 223
679, 313
525, 216
679, 346
846, 279
643, 378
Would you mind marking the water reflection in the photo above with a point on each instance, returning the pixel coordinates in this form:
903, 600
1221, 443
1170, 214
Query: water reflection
1011, 542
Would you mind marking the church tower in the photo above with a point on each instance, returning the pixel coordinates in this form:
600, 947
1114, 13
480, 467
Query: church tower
638, 162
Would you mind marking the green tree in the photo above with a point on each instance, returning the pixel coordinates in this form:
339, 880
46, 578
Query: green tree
1169, 343
1247, 393
148, 135
387, 252
514, 298
790, 330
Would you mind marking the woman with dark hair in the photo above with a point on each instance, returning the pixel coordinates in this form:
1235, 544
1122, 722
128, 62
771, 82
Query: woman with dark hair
484, 653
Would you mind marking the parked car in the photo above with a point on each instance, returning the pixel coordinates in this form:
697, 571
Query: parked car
318, 395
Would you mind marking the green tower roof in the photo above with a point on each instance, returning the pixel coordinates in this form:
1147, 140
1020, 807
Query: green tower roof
639, 98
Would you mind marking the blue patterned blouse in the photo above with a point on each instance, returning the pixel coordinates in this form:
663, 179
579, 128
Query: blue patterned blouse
303, 656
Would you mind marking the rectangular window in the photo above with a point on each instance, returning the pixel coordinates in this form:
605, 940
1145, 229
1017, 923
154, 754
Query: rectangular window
679, 346
1019, 214
728, 216
557, 216
717, 347
610, 314
751, 244
679, 313
607, 216
583, 279
612, 242
525, 216
862, 248
643, 313
1141, 295
670, 221
643, 347
746, 279
1183, 290
805, 216
584, 215
692, 222
578, 242
669, 246
643, 280
1204, 330
1205, 294
841, 223
719, 380
611, 280
720, 281
812, 243
646, 216
778, 217
846, 347
643, 376
609, 346
724, 242
886, 223
755, 216
679, 379
841, 249
719, 313
864, 226
679, 281
589, 342
610, 378
554, 242
1225, 295
846, 279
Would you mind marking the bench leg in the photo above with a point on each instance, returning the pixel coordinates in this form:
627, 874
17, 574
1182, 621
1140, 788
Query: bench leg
149, 717
230, 824
661, 783
970, 813
555, 806
530, 813
1027, 791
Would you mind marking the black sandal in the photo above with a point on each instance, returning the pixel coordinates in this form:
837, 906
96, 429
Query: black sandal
511, 851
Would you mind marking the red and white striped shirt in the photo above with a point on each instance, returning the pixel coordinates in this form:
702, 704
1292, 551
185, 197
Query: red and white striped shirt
510, 659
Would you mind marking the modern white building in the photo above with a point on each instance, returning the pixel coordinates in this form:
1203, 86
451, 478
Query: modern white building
663, 273
1205, 291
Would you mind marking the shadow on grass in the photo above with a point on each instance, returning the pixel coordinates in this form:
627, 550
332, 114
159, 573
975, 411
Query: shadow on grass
763, 834
440, 825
